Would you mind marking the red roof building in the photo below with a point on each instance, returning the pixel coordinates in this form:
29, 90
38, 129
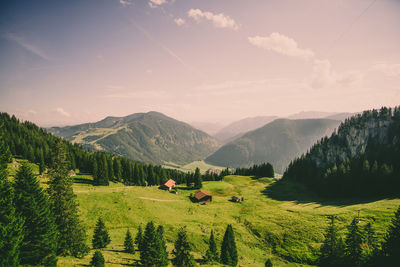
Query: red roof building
202, 196
168, 185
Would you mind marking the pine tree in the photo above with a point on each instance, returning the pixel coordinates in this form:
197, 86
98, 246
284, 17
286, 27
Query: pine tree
139, 239
11, 223
98, 259
40, 231
212, 253
353, 243
331, 252
72, 235
149, 255
268, 263
197, 179
391, 244
117, 169
228, 249
162, 248
128, 243
182, 250
100, 236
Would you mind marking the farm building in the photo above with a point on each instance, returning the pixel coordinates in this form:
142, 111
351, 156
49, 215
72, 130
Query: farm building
202, 196
236, 199
168, 185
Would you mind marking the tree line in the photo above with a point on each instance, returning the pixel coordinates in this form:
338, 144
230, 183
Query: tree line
373, 172
261, 170
28, 141
151, 245
360, 247
37, 225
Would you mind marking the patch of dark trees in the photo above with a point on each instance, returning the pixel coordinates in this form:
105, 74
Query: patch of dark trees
372, 173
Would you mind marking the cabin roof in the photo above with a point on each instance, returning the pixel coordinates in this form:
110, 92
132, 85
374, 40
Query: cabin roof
170, 183
201, 194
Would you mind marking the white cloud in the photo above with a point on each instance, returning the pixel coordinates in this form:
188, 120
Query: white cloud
126, 2
156, 3
149, 71
23, 43
179, 21
32, 111
281, 44
63, 112
323, 76
389, 69
219, 20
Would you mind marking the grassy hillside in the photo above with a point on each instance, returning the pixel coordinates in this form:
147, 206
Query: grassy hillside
278, 142
283, 222
286, 231
149, 137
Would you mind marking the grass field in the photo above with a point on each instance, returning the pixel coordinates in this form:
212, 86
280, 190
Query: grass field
287, 230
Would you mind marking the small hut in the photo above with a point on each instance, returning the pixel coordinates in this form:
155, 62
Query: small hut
168, 185
236, 199
202, 196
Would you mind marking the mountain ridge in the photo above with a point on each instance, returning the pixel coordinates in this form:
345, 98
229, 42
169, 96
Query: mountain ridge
150, 137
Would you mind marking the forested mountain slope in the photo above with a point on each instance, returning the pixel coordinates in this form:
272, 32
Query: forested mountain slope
278, 142
148, 137
28, 141
361, 159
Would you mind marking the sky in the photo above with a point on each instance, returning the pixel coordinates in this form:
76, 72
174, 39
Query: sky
70, 62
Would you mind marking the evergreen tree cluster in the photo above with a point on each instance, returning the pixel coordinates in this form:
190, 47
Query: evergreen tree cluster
360, 247
374, 172
262, 170
28, 141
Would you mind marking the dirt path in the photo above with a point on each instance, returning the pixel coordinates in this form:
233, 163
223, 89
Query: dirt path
160, 200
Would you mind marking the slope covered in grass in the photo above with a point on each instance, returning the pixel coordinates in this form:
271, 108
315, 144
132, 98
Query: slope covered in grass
288, 230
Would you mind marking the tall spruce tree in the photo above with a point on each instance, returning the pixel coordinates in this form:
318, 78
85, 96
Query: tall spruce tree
391, 244
128, 243
182, 250
100, 236
139, 238
268, 263
353, 242
11, 222
197, 179
97, 259
212, 253
150, 254
331, 252
163, 256
40, 231
72, 234
228, 249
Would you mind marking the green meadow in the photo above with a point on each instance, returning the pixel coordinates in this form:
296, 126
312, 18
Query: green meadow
287, 231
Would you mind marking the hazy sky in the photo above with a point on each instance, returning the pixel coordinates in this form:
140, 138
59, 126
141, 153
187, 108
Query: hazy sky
67, 62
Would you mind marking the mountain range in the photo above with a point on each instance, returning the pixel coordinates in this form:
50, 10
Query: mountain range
149, 137
277, 142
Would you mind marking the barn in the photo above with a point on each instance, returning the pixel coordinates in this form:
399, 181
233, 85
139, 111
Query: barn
168, 185
202, 196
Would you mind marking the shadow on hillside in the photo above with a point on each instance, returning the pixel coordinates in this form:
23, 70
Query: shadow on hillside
83, 181
292, 191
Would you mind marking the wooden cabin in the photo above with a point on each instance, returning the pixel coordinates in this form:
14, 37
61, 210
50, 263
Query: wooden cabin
168, 185
202, 196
